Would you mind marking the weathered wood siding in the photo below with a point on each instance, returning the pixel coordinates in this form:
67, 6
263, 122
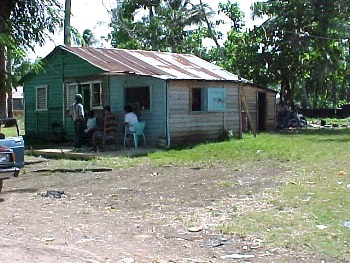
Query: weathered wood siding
251, 96
155, 118
271, 111
170, 110
187, 127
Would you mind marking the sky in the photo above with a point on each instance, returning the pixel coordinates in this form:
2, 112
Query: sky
93, 15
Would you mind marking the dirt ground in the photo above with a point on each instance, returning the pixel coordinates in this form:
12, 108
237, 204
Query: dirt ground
138, 214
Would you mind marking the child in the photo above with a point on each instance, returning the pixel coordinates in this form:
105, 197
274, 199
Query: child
90, 125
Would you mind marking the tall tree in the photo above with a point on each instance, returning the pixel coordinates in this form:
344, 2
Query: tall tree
23, 24
300, 47
173, 25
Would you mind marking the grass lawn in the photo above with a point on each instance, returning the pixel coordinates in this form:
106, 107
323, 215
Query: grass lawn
305, 212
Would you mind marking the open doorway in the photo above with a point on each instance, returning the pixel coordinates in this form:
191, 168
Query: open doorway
85, 91
261, 111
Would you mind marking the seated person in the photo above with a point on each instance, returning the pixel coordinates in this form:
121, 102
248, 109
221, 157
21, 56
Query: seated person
90, 126
98, 133
130, 118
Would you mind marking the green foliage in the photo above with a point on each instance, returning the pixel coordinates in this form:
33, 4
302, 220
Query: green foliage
22, 25
175, 26
30, 22
303, 46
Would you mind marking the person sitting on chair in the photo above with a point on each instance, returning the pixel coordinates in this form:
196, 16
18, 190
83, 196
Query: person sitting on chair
98, 133
130, 118
90, 126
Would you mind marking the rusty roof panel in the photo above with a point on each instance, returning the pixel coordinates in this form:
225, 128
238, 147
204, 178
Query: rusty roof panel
162, 65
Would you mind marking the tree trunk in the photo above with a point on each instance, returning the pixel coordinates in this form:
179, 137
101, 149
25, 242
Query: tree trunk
3, 102
285, 93
211, 33
67, 29
9, 84
4, 17
305, 100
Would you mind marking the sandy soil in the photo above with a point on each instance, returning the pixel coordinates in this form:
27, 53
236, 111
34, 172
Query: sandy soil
139, 214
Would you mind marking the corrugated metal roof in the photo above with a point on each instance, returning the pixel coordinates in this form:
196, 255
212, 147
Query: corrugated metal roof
163, 65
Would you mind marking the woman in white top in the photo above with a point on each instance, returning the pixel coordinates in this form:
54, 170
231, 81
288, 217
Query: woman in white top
130, 118
91, 121
90, 126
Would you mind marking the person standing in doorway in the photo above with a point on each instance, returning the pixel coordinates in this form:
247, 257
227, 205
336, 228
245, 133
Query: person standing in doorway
79, 122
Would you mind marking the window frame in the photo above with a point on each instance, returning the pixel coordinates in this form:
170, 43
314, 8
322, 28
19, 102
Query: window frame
201, 91
141, 108
45, 96
206, 95
70, 96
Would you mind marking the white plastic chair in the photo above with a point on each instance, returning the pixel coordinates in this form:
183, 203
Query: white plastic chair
139, 127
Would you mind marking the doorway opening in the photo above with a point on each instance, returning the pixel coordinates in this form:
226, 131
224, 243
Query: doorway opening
262, 111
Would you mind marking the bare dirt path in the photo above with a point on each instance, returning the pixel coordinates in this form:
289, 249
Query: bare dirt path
139, 214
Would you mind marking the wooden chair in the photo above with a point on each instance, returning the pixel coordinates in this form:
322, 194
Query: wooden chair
110, 130
109, 133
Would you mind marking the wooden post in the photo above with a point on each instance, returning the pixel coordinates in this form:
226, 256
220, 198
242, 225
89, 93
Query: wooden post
243, 100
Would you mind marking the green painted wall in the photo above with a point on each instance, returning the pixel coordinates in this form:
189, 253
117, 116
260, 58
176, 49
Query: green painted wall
38, 123
59, 67
63, 67
155, 118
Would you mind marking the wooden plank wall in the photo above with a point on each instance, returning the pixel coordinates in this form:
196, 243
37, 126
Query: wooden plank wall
191, 127
271, 111
251, 94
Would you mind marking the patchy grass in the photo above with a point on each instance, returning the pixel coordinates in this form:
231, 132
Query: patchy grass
313, 193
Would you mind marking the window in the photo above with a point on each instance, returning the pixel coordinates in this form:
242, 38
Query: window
72, 90
198, 99
96, 95
91, 91
41, 98
138, 97
208, 99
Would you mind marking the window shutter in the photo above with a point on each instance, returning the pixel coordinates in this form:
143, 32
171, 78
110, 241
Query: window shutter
216, 99
41, 98
72, 90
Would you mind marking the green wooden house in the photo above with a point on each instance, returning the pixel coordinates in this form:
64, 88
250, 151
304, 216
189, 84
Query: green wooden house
182, 98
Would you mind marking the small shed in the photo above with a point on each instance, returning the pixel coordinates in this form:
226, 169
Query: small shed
183, 99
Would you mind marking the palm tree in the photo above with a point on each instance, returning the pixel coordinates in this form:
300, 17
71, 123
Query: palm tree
180, 17
165, 27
